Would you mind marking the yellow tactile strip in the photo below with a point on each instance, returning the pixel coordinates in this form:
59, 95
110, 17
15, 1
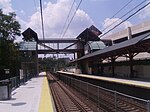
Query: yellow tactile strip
116, 80
46, 104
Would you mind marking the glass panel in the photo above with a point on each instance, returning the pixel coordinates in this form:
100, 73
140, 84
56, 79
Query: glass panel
96, 45
28, 46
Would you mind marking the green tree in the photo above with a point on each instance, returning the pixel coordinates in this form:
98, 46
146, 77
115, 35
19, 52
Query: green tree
52, 64
9, 26
9, 30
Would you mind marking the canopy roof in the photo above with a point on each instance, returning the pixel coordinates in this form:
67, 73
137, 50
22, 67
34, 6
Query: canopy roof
140, 43
29, 34
88, 35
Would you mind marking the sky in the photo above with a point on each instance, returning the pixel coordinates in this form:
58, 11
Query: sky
90, 12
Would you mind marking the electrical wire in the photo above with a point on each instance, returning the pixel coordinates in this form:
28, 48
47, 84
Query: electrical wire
42, 22
67, 17
72, 18
41, 9
124, 15
126, 19
120, 10
117, 13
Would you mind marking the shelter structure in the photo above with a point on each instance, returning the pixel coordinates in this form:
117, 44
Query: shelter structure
131, 42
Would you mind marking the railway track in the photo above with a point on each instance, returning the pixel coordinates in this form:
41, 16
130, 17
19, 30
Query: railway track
64, 100
105, 100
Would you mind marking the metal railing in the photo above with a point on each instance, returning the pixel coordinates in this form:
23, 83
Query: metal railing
16, 81
105, 98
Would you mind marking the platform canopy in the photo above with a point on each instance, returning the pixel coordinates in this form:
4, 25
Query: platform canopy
29, 35
89, 34
139, 43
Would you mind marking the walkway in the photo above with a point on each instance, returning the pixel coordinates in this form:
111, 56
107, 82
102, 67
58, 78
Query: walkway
33, 96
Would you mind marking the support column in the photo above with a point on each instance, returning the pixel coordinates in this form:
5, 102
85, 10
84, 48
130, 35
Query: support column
81, 47
131, 65
58, 50
112, 65
37, 63
131, 56
129, 33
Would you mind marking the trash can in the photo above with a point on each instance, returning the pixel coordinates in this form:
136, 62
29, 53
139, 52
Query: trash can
5, 90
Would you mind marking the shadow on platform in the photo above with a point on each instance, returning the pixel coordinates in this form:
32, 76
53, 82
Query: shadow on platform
18, 104
14, 104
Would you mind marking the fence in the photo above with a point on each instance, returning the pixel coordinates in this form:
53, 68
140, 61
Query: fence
16, 81
104, 98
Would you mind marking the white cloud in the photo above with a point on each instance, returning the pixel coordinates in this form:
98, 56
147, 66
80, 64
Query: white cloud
145, 13
110, 23
6, 5
55, 17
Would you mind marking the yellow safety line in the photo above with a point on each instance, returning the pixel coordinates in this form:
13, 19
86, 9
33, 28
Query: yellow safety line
46, 104
121, 81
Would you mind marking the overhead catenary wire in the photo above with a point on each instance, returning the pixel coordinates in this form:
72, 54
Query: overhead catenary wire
124, 15
120, 10
67, 17
117, 13
72, 18
126, 19
42, 20
123, 7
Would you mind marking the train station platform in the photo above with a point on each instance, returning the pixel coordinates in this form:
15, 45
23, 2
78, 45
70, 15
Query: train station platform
131, 87
33, 96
